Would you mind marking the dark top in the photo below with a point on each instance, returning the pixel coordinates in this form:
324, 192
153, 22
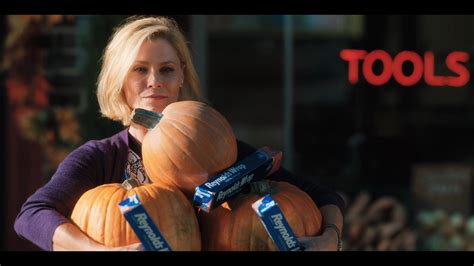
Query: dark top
103, 161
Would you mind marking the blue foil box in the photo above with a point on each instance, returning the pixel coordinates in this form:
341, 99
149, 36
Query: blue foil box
276, 224
143, 225
226, 184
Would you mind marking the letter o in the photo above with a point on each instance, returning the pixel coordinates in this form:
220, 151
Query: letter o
417, 73
367, 67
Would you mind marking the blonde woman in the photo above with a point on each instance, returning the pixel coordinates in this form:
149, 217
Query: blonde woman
146, 64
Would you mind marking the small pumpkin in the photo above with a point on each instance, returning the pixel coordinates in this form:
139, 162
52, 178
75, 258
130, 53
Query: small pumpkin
97, 214
234, 226
186, 144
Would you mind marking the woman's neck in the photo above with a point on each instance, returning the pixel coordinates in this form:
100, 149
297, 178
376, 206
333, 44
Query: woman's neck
137, 131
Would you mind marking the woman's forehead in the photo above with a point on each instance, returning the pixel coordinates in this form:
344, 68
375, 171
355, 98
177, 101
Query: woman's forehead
157, 51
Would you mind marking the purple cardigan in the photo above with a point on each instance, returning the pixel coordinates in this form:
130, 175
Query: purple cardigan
103, 161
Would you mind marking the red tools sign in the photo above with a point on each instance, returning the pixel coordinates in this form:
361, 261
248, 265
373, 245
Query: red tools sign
423, 67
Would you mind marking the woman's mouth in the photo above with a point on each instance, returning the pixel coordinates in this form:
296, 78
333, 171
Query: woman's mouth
156, 96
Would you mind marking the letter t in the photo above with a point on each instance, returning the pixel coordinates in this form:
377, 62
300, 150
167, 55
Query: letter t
353, 56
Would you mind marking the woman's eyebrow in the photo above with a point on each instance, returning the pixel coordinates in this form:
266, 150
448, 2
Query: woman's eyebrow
161, 63
141, 62
167, 62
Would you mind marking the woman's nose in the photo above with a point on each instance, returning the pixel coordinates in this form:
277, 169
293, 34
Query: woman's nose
154, 81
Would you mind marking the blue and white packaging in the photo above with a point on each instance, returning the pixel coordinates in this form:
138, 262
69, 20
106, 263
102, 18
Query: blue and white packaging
226, 184
143, 225
276, 224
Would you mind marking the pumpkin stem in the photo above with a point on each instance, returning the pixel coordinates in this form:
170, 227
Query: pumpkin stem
261, 188
145, 118
130, 183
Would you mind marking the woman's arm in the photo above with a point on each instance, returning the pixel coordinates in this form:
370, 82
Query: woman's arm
67, 236
50, 206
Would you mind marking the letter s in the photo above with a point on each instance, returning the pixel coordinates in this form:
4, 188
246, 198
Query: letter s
453, 63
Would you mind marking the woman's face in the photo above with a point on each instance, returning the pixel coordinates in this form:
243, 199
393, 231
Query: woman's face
155, 78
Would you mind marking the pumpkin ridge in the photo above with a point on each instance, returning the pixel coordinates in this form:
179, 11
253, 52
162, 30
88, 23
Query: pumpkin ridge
168, 195
215, 163
116, 192
186, 227
91, 212
92, 196
104, 236
80, 218
146, 193
217, 118
184, 150
162, 172
295, 209
317, 221
287, 206
311, 213
174, 216
306, 223
231, 230
164, 197
224, 124
215, 130
125, 227
168, 177
253, 227
163, 132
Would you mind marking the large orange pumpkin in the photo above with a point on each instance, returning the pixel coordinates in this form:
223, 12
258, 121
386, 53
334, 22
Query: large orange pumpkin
97, 213
190, 143
234, 226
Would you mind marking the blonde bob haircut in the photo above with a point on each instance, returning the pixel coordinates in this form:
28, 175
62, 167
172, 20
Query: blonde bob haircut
120, 54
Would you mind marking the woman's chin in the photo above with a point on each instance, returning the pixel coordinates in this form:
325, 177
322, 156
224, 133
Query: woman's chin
154, 105
154, 108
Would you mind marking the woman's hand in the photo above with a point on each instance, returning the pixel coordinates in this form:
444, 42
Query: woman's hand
132, 247
68, 237
326, 242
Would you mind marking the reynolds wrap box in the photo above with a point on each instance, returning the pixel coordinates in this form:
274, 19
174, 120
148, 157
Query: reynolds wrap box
143, 225
276, 224
223, 186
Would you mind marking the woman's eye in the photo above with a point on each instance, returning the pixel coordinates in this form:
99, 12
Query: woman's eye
140, 69
167, 69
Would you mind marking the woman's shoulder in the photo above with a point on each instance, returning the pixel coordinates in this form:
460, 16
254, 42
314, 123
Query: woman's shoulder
101, 160
116, 141
99, 147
